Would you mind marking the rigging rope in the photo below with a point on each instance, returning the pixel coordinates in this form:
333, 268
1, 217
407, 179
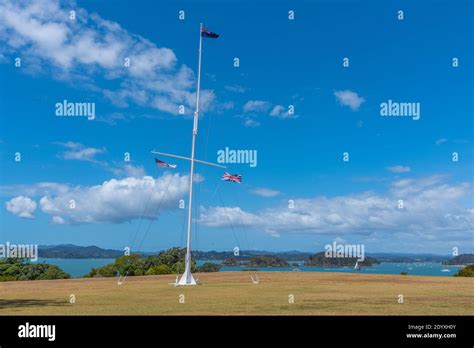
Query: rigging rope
228, 217
242, 220
181, 244
158, 209
141, 217
198, 191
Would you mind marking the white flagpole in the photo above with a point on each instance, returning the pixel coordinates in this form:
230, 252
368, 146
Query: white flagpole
187, 278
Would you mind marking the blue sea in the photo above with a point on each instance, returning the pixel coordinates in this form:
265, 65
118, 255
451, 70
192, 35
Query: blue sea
80, 267
77, 267
416, 268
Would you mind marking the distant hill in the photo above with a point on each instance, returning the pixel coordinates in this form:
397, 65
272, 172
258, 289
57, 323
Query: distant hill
321, 260
463, 259
70, 251
246, 255
407, 258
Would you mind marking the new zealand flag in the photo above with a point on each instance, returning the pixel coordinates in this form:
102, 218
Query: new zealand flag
209, 34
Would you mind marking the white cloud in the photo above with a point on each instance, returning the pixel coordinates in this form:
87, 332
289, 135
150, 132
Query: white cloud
220, 216
116, 201
441, 141
399, 169
250, 122
281, 112
406, 187
252, 108
21, 206
70, 145
114, 117
128, 170
85, 154
41, 188
277, 110
134, 171
113, 201
431, 209
265, 192
235, 88
90, 49
79, 152
57, 220
255, 106
349, 98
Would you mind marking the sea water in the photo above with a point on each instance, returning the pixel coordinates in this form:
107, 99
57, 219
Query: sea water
76, 267
80, 267
415, 268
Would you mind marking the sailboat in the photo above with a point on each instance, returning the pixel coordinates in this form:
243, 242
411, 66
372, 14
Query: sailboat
356, 266
187, 278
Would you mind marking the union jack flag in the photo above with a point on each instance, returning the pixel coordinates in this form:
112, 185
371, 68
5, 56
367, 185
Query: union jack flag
162, 164
232, 177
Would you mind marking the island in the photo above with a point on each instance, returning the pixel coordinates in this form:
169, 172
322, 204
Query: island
463, 259
321, 260
258, 261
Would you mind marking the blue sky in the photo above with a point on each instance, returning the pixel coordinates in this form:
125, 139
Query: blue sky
282, 62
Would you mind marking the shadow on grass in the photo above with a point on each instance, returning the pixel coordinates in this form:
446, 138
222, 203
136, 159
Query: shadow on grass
30, 303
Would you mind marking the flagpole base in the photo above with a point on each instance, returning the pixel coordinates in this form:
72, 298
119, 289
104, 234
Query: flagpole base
186, 279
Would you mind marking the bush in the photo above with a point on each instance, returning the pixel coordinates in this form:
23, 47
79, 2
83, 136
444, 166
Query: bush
6, 278
105, 271
178, 267
168, 257
53, 272
467, 271
159, 269
130, 265
22, 269
210, 267
166, 262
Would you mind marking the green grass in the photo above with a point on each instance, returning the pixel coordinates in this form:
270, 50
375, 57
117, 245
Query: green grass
232, 293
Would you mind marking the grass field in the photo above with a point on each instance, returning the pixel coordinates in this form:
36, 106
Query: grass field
232, 293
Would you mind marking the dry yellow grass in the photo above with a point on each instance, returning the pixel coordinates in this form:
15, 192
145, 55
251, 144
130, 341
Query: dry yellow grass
232, 293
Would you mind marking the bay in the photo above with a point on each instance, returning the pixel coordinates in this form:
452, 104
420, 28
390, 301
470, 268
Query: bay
80, 267
415, 268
